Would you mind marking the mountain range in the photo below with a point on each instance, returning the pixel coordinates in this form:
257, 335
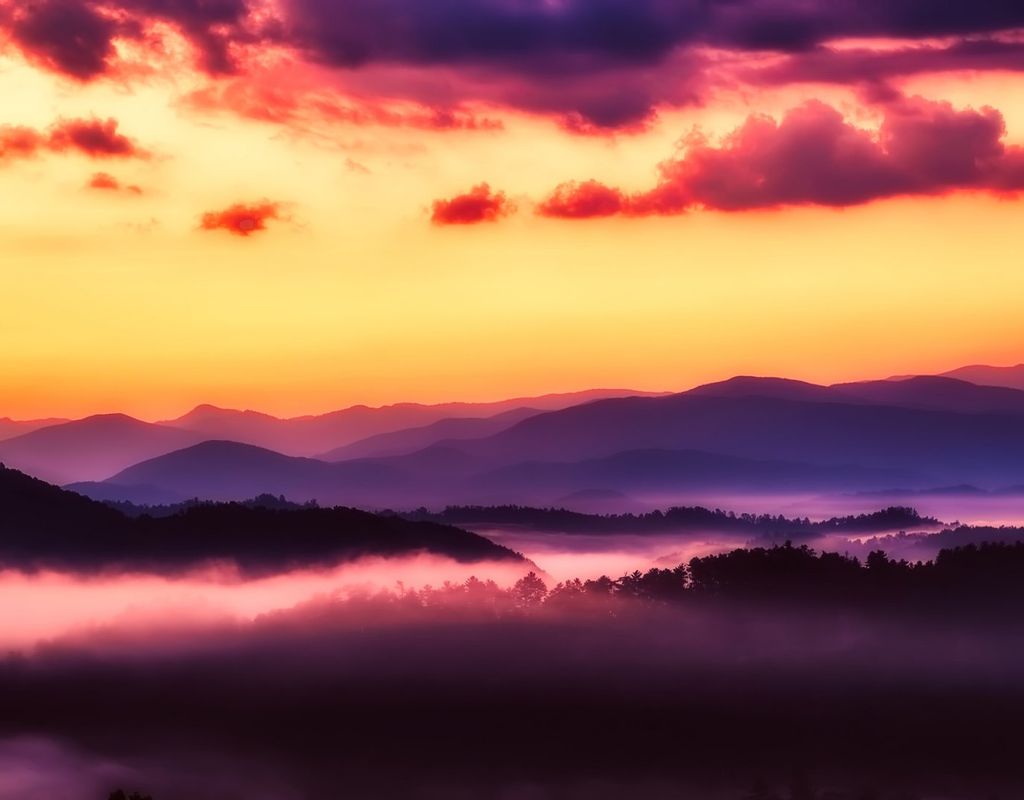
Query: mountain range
99, 446
1010, 377
746, 434
9, 428
315, 434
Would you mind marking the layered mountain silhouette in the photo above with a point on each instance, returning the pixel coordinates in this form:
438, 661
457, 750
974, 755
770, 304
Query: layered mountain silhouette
745, 434
230, 471
668, 471
42, 526
9, 428
933, 392
233, 471
317, 434
90, 449
410, 440
96, 447
1011, 377
937, 393
752, 419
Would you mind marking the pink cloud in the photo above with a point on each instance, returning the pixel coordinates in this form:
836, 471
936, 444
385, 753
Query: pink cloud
813, 156
19, 143
104, 181
242, 219
480, 204
583, 200
296, 98
93, 137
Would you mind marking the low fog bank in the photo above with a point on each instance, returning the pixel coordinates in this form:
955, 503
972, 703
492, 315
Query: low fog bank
965, 504
600, 689
50, 604
575, 544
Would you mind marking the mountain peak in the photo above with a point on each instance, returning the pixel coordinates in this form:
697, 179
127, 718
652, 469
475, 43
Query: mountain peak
765, 386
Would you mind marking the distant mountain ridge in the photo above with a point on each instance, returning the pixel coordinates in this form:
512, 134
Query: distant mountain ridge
409, 440
9, 428
318, 434
90, 449
1010, 377
943, 446
96, 447
746, 434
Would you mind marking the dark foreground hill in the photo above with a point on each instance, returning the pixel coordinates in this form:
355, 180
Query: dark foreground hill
44, 526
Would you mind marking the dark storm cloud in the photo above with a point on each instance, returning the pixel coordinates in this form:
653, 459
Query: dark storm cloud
76, 37
596, 64
354, 33
607, 64
65, 35
872, 66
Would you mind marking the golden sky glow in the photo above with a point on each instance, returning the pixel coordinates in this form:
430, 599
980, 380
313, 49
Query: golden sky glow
117, 301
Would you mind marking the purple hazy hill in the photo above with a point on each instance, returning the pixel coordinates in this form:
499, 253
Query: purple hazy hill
9, 428
410, 440
938, 393
219, 470
90, 449
667, 471
319, 434
744, 434
1010, 377
776, 388
772, 420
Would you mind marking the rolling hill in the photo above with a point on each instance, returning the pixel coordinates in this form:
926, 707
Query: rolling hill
1011, 377
90, 449
937, 393
747, 434
42, 526
410, 440
232, 471
939, 446
676, 471
9, 428
316, 434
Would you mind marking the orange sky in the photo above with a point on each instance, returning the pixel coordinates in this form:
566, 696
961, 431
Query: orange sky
118, 301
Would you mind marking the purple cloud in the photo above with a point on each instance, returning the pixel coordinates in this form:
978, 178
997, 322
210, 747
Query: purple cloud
76, 37
595, 64
813, 156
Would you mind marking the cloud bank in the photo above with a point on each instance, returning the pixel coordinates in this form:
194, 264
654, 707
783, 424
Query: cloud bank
814, 156
595, 64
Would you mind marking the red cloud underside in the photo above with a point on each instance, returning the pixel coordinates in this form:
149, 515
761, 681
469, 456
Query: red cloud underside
242, 219
813, 156
480, 204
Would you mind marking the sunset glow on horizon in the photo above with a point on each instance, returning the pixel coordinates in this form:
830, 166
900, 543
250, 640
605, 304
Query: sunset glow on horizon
259, 205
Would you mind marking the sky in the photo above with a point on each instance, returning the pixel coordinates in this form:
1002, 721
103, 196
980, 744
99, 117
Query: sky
298, 205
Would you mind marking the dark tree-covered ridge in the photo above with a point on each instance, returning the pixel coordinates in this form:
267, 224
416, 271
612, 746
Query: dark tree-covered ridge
42, 526
674, 520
